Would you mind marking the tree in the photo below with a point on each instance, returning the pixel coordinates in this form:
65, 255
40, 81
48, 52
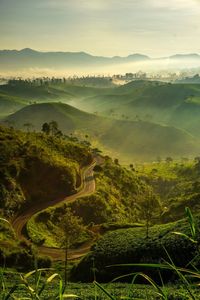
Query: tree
197, 159
53, 127
169, 159
46, 128
131, 167
116, 161
72, 226
149, 205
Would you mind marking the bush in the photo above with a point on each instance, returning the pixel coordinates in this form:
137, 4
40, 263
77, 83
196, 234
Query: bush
44, 261
128, 246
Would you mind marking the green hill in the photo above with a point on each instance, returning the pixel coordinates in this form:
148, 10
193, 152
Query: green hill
25, 92
56, 163
68, 117
116, 200
147, 140
163, 103
171, 104
34, 169
9, 104
131, 139
33, 92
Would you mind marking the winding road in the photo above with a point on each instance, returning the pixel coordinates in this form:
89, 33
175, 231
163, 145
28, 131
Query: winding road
19, 222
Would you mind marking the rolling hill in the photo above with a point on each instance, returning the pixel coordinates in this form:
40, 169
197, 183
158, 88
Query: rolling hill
68, 117
21, 92
9, 104
175, 105
168, 104
132, 139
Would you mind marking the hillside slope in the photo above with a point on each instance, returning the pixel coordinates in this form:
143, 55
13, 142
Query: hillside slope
134, 139
36, 168
171, 104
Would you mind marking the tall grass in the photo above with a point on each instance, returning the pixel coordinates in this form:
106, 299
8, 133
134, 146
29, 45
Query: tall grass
189, 277
34, 283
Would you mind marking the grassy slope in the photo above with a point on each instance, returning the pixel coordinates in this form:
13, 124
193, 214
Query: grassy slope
26, 93
68, 117
33, 92
176, 105
146, 140
177, 183
115, 200
33, 168
134, 139
9, 104
37, 168
161, 102
172, 104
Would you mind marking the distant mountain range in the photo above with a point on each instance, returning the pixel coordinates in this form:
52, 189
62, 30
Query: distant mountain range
28, 58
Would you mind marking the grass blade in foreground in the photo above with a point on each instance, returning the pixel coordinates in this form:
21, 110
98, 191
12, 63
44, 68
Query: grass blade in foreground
104, 291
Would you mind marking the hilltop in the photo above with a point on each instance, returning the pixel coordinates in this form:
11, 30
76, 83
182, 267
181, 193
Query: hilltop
170, 104
23, 155
140, 120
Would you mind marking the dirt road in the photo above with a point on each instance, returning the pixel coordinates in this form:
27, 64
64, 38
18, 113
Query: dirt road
19, 223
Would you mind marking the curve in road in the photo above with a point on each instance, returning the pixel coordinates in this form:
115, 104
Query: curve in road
20, 221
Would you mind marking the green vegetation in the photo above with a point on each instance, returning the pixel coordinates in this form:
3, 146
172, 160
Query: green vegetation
177, 184
47, 228
188, 289
48, 287
37, 167
9, 104
161, 118
145, 140
129, 246
119, 199
134, 214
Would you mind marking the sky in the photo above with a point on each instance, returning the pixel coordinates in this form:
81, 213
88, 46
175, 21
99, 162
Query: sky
102, 27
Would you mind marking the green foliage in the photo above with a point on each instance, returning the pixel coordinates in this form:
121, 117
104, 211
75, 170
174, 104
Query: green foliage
177, 185
116, 200
54, 226
149, 205
117, 197
36, 167
126, 246
139, 103
71, 227
42, 284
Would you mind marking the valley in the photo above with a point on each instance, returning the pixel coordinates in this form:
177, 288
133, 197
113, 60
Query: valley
99, 176
153, 114
99, 150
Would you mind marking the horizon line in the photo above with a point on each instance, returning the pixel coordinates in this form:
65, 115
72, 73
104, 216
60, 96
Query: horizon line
94, 55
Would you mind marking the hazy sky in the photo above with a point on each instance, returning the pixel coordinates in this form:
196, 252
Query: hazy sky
102, 27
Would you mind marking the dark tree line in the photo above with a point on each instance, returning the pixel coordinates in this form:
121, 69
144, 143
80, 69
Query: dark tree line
51, 128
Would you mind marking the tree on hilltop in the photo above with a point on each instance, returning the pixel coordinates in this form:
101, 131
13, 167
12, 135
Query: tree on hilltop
51, 128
